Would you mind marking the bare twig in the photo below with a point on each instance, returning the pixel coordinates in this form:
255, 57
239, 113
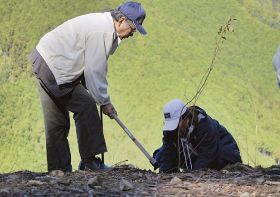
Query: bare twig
223, 30
119, 163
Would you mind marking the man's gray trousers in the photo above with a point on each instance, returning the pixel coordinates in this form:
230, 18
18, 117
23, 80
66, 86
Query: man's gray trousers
57, 102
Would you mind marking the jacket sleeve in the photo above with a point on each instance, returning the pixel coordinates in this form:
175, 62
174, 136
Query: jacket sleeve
276, 63
97, 48
167, 159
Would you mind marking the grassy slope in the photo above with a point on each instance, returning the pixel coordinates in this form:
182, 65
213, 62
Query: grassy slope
145, 73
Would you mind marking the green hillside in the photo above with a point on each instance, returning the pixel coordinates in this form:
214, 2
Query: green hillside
146, 72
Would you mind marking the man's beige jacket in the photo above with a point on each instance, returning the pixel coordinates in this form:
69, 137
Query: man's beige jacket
79, 46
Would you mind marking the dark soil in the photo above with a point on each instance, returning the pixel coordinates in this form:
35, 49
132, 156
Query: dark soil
235, 180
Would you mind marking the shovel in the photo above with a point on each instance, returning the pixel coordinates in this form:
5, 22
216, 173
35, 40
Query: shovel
151, 159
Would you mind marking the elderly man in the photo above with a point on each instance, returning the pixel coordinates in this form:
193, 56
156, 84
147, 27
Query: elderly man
193, 140
276, 63
70, 63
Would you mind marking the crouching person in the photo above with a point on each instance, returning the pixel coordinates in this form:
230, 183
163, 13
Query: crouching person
192, 140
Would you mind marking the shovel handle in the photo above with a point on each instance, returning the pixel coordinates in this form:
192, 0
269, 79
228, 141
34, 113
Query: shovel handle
138, 144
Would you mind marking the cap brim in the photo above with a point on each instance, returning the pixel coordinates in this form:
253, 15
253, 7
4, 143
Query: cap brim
170, 125
140, 28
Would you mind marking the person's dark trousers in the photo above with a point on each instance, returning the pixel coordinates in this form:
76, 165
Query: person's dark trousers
56, 103
57, 124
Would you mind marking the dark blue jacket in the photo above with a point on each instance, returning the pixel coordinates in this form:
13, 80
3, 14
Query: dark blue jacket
214, 148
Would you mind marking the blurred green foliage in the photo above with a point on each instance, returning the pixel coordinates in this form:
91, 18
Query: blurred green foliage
267, 11
145, 73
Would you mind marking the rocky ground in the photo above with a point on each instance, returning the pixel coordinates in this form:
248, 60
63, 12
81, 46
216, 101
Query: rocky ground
235, 180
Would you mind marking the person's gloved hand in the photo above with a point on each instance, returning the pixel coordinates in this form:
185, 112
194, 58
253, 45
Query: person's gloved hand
109, 110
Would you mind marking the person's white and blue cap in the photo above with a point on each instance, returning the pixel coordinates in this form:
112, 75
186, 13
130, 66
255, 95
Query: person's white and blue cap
134, 12
173, 110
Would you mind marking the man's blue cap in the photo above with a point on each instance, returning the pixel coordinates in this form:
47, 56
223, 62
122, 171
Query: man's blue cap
134, 12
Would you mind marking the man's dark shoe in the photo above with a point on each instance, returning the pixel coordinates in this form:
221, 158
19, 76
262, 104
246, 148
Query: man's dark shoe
95, 164
82, 165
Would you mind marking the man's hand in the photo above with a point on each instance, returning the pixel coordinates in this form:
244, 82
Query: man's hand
109, 110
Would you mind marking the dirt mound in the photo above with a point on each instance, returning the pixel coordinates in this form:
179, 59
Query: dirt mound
235, 180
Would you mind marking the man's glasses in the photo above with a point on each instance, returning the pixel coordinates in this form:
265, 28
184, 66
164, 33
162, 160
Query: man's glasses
131, 25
